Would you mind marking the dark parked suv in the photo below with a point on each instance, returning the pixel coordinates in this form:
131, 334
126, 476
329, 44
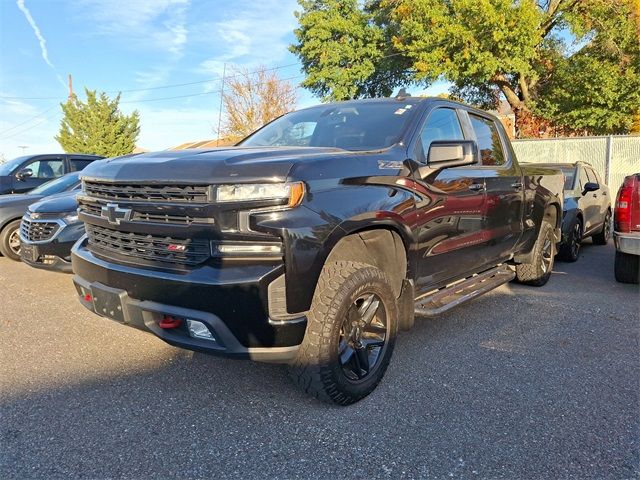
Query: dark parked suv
26, 173
13, 207
48, 231
587, 208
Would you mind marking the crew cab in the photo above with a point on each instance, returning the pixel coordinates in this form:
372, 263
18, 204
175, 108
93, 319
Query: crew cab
318, 237
26, 173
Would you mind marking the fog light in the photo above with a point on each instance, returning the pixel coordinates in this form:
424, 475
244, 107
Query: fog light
249, 249
199, 330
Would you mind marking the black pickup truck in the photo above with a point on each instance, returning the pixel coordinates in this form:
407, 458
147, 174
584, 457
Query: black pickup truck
318, 237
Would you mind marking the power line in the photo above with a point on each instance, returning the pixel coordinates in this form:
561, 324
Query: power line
212, 92
28, 120
20, 132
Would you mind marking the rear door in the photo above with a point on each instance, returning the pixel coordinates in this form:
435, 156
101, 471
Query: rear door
450, 205
78, 162
504, 188
602, 196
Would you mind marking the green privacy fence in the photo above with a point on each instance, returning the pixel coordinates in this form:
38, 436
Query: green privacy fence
613, 156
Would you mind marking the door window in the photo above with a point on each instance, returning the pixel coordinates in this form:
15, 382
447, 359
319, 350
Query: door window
51, 168
489, 143
78, 164
442, 124
583, 178
593, 176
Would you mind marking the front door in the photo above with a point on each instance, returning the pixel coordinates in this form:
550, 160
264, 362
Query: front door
42, 170
451, 204
504, 189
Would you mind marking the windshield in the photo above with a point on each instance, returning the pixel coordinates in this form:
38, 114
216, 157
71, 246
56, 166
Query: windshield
62, 184
569, 175
8, 167
354, 126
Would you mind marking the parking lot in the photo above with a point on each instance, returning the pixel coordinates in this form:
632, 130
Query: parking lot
521, 383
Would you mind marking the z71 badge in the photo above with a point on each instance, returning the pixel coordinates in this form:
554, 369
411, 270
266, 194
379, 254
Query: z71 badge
389, 165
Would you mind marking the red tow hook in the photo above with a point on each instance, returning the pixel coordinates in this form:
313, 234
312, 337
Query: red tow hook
170, 322
87, 297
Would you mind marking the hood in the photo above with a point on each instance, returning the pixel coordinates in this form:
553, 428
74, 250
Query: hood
220, 165
59, 203
16, 200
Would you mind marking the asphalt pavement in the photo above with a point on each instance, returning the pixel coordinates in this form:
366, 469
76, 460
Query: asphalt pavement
522, 383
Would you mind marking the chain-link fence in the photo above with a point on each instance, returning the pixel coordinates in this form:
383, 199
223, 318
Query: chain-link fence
613, 157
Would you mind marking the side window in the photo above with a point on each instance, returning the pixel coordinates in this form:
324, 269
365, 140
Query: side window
489, 144
78, 164
593, 176
442, 124
46, 168
583, 178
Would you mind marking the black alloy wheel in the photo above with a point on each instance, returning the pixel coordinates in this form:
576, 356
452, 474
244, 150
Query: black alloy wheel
363, 337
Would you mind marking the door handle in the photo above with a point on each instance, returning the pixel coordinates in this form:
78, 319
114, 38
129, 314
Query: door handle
476, 187
517, 185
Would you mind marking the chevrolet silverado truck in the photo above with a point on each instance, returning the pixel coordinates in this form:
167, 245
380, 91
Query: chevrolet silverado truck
317, 238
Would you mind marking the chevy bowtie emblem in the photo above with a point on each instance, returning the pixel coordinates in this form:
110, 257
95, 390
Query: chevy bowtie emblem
114, 214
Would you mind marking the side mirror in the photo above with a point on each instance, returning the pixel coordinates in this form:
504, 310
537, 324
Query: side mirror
590, 187
24, 173
454, 153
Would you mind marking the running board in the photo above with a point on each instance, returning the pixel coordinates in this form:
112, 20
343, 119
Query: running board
446, 298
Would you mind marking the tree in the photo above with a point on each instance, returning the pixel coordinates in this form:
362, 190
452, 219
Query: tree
252, 99
520, 50
97, 126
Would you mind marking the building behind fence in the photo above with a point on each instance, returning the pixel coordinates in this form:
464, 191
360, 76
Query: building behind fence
614, 157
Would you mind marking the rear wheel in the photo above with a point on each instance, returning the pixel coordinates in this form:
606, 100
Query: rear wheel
627, 267
350, 335
10, 240
571, 248
537, 272
602, 237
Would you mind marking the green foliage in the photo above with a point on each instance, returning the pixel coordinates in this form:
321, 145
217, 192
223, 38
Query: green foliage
343, 51
516, 49
97, 126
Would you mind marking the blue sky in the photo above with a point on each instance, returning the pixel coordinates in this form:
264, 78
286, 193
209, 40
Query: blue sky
119, 45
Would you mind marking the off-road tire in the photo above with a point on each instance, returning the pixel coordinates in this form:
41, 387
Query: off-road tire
627, 268
317, 368
5, 237
537, 272
603, 236
569, 251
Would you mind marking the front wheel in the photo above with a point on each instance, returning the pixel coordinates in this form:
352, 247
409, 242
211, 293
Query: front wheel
537, 272
351, 330
10, 240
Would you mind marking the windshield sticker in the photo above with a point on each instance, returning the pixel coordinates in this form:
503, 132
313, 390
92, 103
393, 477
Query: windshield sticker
400, 111
407, 107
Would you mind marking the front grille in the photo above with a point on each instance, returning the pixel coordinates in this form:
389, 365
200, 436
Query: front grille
96, 210
38, 231
149, 193
147, 247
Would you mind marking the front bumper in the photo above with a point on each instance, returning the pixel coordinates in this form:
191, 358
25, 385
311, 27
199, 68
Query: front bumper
232, 301
627, 242
55, 253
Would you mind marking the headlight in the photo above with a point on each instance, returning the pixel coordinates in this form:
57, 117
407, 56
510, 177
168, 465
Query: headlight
71, 217
292, 192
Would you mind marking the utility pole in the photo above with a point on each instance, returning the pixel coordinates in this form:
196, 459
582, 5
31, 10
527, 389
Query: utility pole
71, 94
23, 147
224, 70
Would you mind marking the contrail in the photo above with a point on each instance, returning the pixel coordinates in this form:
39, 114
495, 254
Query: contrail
41, 40
36, 30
